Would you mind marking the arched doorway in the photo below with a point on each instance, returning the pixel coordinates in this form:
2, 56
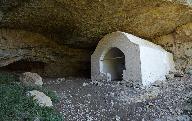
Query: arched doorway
113, 64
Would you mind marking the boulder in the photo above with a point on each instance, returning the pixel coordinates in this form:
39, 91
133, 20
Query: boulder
41, 98
31, 79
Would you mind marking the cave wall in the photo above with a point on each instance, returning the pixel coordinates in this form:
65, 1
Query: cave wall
180, 44
69, 30
59, 60
26, 65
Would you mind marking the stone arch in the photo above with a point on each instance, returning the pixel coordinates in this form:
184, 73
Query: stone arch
131, 51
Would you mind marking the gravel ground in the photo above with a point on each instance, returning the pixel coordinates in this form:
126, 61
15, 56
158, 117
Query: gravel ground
86, 100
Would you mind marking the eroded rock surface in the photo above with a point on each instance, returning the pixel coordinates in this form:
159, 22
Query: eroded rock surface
18, 46
180, 44
31, 79
82, 23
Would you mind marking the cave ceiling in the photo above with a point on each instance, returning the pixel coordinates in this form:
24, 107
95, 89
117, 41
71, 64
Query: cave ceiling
82, 23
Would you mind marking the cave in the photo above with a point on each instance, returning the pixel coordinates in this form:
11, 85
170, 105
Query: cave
114, 64
25, 66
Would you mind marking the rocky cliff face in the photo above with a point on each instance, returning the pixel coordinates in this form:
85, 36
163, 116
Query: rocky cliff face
180, 44
82, 23
71, 29
36, 53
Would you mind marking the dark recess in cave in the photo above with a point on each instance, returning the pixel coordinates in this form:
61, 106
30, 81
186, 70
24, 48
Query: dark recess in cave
39, 67
25, 66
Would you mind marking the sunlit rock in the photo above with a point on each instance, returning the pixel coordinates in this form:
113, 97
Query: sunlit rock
41, 98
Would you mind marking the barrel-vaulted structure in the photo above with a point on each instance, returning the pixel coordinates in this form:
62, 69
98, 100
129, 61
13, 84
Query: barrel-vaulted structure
123, 56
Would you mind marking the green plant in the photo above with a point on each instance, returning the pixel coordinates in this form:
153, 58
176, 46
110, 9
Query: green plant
6, 77
16, 106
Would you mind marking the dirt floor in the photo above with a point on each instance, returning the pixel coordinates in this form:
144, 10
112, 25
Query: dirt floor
86, 100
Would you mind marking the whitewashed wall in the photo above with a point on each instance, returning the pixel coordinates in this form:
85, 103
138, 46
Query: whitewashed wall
145, 62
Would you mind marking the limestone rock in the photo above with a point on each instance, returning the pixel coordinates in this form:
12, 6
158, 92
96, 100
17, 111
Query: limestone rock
27, 51
41, 98
82, 23
31, 79
180, 44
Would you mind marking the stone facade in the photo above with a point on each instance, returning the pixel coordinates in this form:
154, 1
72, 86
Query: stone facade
145, 62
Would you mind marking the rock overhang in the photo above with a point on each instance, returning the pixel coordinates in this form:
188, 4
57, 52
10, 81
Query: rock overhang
81, 24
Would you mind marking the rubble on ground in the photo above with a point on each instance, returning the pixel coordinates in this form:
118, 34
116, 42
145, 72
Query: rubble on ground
83, 99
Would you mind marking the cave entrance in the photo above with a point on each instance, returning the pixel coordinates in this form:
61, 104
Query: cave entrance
113, 64
25, 66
